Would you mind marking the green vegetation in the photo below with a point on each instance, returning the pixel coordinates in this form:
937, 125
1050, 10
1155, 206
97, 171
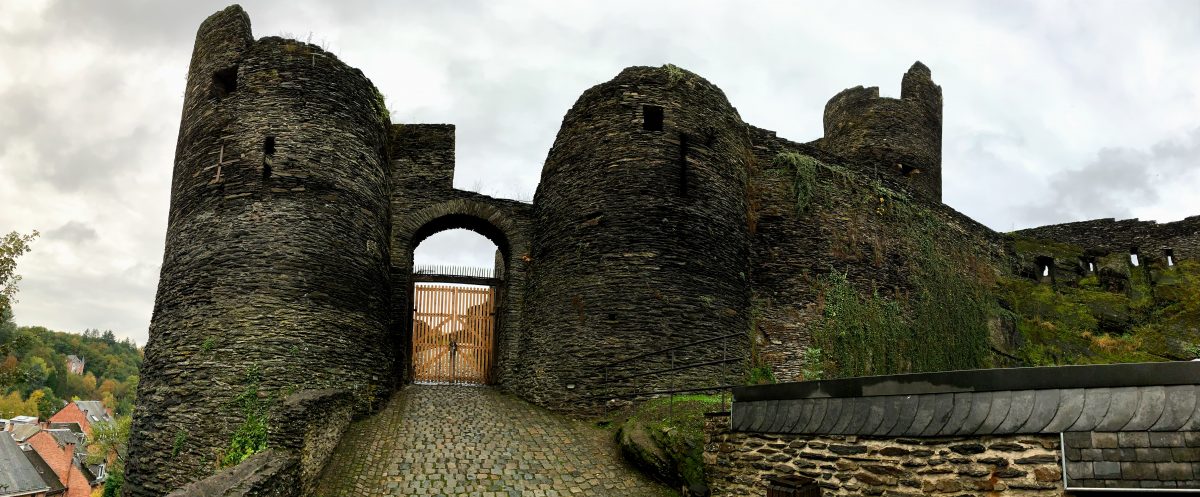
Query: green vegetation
814, 364
110, 442
381, 107
34, 380
804, 176
667, 441
1119, 317
12, 246
251, 436
868, 329
674, 73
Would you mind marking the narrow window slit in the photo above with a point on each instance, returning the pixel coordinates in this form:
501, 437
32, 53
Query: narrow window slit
683, 165
268, 154
652, 118
224, 82
1133, 256
1170, 255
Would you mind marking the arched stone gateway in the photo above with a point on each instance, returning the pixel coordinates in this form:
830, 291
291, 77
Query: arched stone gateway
504, 223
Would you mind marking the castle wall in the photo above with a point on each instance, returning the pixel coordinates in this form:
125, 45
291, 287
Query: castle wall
1110, 235
817, 217
274, 276
424, 202
901, 136
640, 239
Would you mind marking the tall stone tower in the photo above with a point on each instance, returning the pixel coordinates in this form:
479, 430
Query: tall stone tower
640, 236
274, 276
895, 136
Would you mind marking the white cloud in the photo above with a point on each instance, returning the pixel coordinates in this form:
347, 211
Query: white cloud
1051, 107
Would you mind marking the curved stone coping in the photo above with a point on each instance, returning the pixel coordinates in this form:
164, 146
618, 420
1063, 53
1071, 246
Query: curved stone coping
982, 380
1146, 397
1156, 408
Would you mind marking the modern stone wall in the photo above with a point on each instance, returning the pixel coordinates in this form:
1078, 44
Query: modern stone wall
640, 239
738, 464
275, 269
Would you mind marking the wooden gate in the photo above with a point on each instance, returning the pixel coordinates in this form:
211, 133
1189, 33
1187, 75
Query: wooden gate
453, 331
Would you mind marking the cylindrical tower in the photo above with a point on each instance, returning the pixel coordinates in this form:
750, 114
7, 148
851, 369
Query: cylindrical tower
896, 136
274, 277
640, 239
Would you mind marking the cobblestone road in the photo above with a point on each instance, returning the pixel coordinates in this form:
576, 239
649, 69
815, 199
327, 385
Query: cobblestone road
443, 440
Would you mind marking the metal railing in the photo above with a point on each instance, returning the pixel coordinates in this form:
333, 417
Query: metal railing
674, 364
448, 270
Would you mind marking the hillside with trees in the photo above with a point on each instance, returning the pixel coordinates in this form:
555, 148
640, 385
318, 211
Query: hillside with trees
34, 375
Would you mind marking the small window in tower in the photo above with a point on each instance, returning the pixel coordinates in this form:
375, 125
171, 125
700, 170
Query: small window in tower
907, 170
224, 82
1170, 255
652, 118
1091, 267
1133, 256
268, 153
1045, 266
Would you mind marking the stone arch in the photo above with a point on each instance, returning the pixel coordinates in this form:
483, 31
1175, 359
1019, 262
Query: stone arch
488, 217
505, 223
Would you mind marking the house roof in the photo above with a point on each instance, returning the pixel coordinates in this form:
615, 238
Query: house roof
43, 468
64, 436
22, 433
18, 475
94, 411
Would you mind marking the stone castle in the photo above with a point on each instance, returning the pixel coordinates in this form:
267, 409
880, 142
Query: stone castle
661, 217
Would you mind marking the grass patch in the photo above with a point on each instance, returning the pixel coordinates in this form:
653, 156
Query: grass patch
666, 440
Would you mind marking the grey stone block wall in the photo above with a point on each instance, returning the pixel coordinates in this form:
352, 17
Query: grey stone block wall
275, 268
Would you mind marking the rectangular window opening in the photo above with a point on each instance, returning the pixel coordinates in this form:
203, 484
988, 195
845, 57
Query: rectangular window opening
1170, 255
652, 118
224, 82
1133, 256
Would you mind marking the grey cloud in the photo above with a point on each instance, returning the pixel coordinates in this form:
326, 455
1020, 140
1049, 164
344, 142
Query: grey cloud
1116, 181
73, 232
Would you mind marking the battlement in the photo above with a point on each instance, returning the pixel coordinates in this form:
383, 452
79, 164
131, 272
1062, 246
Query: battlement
888, 135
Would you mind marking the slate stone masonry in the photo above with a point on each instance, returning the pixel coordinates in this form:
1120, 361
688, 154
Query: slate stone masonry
275, 273
659, 221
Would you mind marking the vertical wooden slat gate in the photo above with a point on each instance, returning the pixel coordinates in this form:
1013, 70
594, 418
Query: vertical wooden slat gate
453, 331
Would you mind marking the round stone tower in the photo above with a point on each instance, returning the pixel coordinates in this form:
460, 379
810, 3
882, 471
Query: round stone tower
902, 135
274, 277
640, 240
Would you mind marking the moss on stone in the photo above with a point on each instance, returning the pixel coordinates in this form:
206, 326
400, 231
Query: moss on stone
665, 439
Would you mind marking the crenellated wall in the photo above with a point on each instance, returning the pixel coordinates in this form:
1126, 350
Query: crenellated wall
898, 136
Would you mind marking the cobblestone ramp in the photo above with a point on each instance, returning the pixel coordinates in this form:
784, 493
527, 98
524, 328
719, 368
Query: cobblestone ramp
447, 440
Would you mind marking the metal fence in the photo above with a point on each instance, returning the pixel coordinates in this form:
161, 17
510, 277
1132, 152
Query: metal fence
651, 370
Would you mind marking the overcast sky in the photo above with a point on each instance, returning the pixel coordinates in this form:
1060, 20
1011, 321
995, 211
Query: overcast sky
1054, 111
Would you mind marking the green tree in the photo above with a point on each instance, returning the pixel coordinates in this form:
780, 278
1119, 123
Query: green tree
110, 443
12, 246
